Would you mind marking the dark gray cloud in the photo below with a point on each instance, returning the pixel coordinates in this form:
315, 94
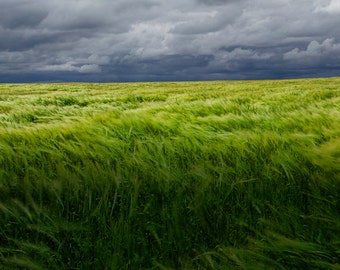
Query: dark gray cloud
131, 40
23, 14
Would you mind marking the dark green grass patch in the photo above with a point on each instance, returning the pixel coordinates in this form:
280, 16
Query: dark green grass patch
209, 175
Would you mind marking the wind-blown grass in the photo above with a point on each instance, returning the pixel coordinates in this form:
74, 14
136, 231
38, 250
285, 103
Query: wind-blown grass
192, 175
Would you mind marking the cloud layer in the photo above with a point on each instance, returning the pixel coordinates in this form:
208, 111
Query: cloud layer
138, 40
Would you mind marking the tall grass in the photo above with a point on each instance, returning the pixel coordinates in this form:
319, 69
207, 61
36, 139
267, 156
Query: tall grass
192, 175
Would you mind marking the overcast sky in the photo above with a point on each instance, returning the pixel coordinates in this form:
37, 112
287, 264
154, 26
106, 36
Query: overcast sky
156, 40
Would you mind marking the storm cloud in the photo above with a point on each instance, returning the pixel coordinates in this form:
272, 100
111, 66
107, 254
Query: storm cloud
156, 40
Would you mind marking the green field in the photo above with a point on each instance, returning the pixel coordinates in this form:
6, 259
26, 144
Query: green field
181, 175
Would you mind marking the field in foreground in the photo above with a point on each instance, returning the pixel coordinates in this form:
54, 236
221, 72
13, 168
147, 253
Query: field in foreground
191, 175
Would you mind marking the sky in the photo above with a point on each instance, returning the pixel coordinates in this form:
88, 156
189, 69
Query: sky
162, 40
